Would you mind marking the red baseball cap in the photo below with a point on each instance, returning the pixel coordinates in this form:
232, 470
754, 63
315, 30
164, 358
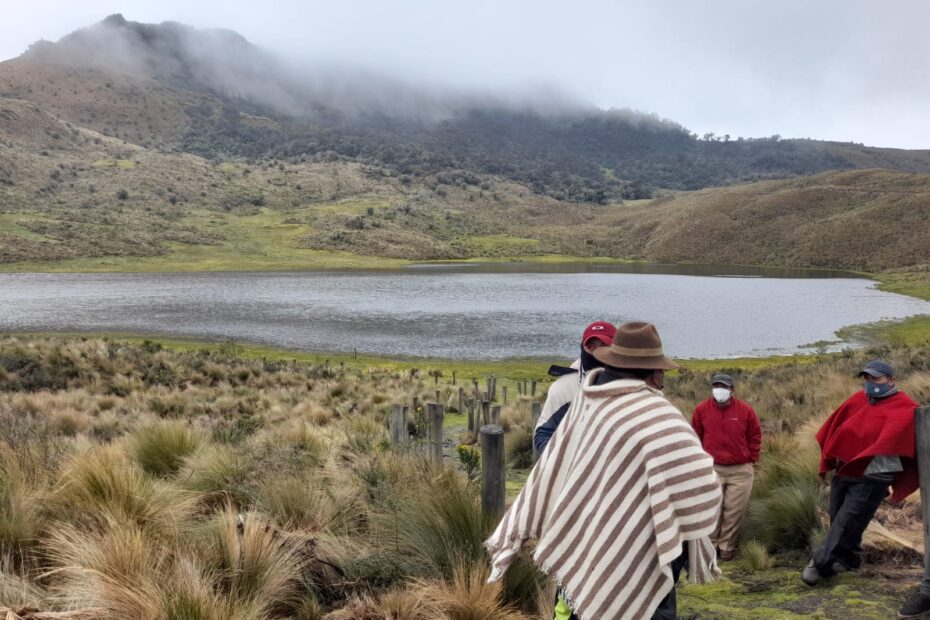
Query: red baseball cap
602, 330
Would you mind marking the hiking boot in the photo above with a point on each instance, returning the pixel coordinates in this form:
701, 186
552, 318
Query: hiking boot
917, 606
727, 554
839, 567
810, 575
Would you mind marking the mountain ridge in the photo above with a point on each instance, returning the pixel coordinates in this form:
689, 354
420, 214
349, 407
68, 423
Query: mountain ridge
195, 91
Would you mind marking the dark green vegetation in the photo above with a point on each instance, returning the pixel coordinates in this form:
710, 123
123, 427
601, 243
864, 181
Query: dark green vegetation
124, 469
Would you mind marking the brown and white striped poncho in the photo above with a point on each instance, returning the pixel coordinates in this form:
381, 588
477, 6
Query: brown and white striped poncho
623, 483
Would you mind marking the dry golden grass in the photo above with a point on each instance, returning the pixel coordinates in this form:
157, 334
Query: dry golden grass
468, 596
138, 511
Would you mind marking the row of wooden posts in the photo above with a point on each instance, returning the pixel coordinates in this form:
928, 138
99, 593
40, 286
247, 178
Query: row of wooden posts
485, 427
525, 387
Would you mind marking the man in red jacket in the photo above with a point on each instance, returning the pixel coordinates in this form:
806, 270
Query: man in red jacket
869, 444
729, 431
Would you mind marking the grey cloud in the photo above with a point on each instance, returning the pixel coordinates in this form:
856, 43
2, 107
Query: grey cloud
835, 69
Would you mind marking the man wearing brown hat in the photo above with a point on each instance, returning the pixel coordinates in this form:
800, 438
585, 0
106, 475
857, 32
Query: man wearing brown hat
730, 432
624, 496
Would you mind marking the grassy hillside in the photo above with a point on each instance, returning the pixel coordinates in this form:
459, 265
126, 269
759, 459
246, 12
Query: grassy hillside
88, 201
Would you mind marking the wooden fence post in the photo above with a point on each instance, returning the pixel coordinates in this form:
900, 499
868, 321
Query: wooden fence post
398, 425
504, 394
435, 413
922, 428
462, 401
492, 469
453, 377
438, 396
535, 409
485, 412
471, 415
416, 403
533, 388
496, 415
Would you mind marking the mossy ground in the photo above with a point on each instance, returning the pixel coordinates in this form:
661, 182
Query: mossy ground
779, 593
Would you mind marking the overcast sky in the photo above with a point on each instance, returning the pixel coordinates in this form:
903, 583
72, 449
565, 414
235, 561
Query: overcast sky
833, 69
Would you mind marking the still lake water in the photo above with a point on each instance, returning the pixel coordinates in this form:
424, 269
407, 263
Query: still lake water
461, 311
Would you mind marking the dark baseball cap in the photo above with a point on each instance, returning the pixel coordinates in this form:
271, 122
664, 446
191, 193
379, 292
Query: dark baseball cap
877, 368
723, 379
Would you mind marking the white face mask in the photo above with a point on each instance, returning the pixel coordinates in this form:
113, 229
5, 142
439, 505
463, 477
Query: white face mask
721, 395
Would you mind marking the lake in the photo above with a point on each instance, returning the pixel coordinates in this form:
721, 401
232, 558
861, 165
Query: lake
484, 311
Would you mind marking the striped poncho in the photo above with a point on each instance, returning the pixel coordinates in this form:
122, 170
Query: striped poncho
623, 484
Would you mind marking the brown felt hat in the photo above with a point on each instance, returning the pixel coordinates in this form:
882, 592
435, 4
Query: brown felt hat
635, 345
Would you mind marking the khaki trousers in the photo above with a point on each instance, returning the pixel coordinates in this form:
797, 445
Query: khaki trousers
736, 484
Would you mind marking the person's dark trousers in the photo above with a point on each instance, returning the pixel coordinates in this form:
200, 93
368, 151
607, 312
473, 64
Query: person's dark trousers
668, 608
853, 502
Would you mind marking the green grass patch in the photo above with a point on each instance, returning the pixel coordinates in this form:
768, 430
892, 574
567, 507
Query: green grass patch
913, 330
747, 363
9, 225
499, 243
349, 206
913, 283
121, 164
261, 242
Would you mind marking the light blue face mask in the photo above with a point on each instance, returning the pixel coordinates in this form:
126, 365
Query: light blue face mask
877, 390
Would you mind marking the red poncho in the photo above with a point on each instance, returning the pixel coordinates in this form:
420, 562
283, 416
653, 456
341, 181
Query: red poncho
858, 431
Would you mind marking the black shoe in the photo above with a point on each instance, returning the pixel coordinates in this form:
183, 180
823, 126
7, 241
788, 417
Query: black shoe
810, 575
839, 567
917, 606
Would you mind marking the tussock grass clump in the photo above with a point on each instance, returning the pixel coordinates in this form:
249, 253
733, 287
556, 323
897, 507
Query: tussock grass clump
787, 495
363, 435
219, 474
254, 562
21, 518
303, 443
311, 503
443, 526
468, 596
519, 446
160, 449
17, 589
755, 556
105, 482
118, 568
787, 517
69, 422
192, 595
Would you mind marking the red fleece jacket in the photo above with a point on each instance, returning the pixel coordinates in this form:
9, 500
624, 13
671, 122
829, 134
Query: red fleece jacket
859, 430
731, 434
